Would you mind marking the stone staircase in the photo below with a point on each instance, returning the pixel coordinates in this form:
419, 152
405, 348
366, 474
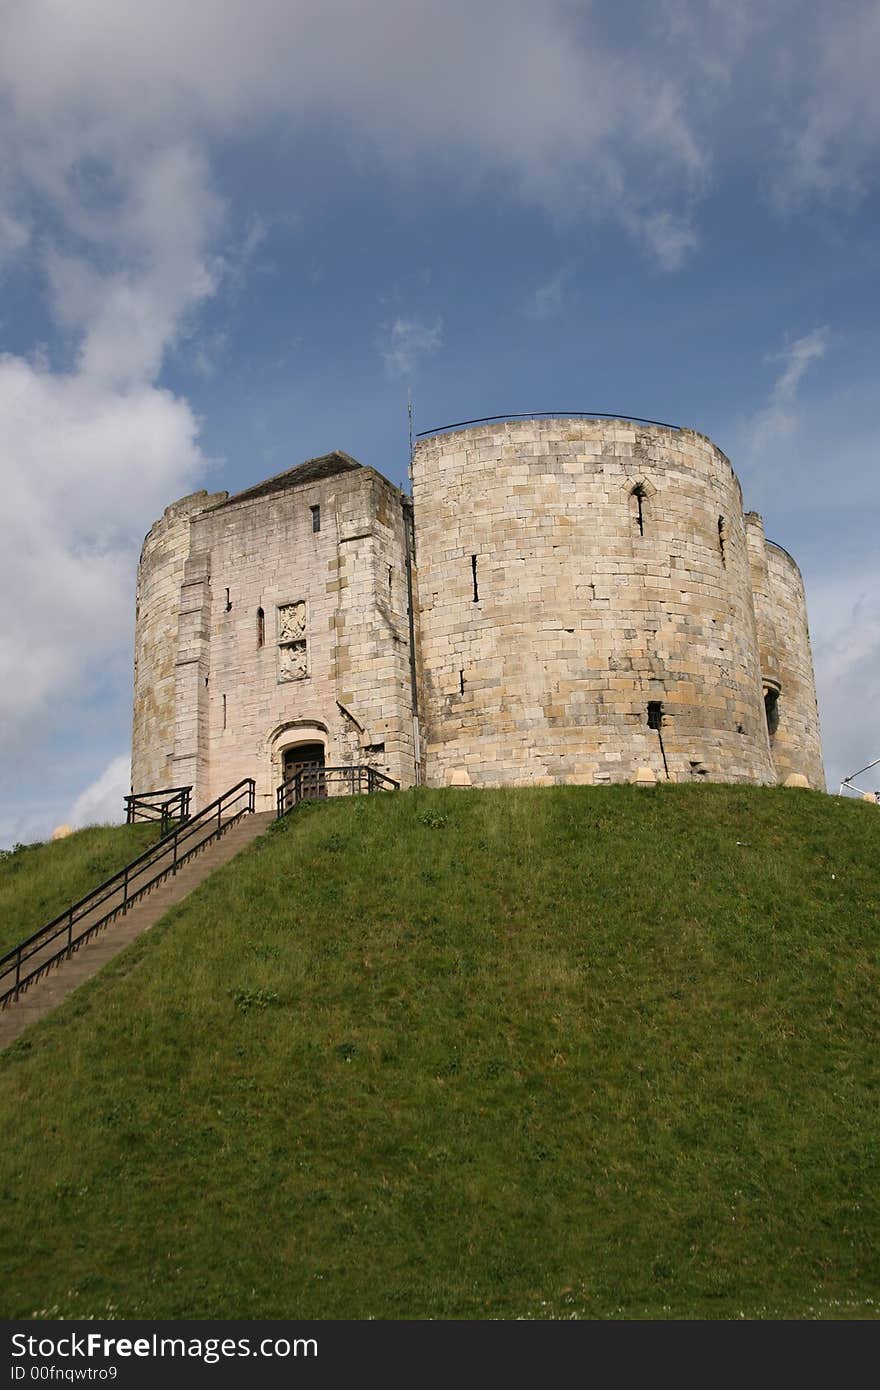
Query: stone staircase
48, 992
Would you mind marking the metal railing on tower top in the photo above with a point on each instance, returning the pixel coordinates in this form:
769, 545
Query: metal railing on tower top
547, 414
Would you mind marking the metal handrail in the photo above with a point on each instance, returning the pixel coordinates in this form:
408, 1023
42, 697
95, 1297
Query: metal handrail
551, 414
146, 805
159, 791
228, 808
314, 783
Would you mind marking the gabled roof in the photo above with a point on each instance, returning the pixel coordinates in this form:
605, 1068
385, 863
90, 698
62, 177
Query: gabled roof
309, 472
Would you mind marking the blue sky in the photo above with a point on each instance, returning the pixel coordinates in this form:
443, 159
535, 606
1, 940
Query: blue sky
233, 237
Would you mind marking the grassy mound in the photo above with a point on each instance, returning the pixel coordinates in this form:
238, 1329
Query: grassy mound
39, 881
540, 1053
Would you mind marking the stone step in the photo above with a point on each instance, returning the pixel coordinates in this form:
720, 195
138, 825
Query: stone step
48, 992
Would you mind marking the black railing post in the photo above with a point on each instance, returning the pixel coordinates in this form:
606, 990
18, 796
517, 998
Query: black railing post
243, 796
317, 782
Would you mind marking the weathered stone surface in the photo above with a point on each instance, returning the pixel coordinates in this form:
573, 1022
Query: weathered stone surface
570, 572
644, 777
591, 605
786, 659
160, 575
257, 632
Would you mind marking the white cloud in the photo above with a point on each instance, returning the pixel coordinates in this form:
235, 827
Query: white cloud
86, 468
671, 238
547, 300
807, 457
408, 341
98, 94
834, 147
581, 116
793, 86
797, 359
89, 457
102, 802
14, 236
777, 420
845, 623
27, 828
129, 317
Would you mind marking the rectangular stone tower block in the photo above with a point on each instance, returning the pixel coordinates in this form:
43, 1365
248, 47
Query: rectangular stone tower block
283, 614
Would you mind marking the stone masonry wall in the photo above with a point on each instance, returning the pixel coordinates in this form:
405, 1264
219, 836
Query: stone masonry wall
160, 573
333, 666
371, 628
796, 746
611, 570
786, 658
575, 584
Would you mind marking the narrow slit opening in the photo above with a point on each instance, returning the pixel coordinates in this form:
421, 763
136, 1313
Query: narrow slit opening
655, 714
771, 709
638, 508
655, 721
474, 574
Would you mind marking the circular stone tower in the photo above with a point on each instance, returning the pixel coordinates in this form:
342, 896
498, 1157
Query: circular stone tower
586, 609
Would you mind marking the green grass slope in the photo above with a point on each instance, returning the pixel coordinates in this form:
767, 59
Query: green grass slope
541, 1053
39, 881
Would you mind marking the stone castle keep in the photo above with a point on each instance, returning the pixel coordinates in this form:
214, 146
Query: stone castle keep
561, 600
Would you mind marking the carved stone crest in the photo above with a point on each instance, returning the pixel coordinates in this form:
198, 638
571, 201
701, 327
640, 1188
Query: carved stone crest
292, 622
293, 658
293, 662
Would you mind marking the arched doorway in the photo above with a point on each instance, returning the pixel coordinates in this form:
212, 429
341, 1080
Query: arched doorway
303, 770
